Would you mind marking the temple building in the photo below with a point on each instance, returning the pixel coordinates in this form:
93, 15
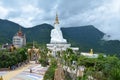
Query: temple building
19, 40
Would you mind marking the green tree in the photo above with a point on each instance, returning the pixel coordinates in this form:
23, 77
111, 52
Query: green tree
43, 57
22, 52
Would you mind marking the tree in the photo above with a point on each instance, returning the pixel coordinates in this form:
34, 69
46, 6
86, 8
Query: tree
23, 53
43, 57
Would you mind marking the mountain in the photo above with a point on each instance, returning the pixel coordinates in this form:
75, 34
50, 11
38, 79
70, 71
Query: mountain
39, 33
7, 30
85, 37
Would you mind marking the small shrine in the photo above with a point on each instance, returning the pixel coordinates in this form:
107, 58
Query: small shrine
33, 53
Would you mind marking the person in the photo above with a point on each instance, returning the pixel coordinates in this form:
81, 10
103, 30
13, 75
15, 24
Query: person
30, 70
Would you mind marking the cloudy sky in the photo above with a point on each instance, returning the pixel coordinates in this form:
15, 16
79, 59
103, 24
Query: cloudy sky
103, 14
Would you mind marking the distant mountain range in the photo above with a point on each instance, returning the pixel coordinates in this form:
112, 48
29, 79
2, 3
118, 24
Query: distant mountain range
84, 37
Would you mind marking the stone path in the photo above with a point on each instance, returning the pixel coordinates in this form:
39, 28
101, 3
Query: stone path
3, 73
23, 73
12, 74
37, 73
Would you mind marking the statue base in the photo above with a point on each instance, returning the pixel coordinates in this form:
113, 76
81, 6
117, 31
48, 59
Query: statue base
55, 47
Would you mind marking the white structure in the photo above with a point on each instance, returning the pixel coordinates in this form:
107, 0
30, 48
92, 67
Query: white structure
56, 34
19, 39
89, 55
57, 42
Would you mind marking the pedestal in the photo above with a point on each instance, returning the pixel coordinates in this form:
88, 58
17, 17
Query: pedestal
55, 47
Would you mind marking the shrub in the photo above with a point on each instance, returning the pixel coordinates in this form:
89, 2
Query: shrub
49, 75
43, 62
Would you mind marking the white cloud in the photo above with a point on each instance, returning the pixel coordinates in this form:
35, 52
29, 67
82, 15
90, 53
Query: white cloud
23, 21
3, 12
28, 14
107, 18
103, 14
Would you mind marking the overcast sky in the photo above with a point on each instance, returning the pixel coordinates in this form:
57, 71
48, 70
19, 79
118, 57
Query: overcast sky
103, 14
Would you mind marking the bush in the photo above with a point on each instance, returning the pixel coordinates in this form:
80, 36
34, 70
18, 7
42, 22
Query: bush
49, 75
8, 59
43, 62
22, 53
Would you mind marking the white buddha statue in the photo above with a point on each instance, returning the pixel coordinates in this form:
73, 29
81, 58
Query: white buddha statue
56, 33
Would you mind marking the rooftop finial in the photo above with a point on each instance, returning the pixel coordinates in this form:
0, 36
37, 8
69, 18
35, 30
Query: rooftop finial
19, 29
33, 45
19, 32
56, 19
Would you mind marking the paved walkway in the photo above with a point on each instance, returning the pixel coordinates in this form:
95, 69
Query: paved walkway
12, 74
37, 73
23, 73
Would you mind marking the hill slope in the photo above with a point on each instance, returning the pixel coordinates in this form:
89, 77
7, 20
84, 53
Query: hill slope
7, 30
85, 37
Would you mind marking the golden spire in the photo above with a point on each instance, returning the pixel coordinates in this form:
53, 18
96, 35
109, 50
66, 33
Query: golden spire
56, 19
19, 29
19, 33
91, 51
33, 45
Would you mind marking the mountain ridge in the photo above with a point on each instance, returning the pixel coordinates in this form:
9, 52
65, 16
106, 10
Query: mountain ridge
85, 37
